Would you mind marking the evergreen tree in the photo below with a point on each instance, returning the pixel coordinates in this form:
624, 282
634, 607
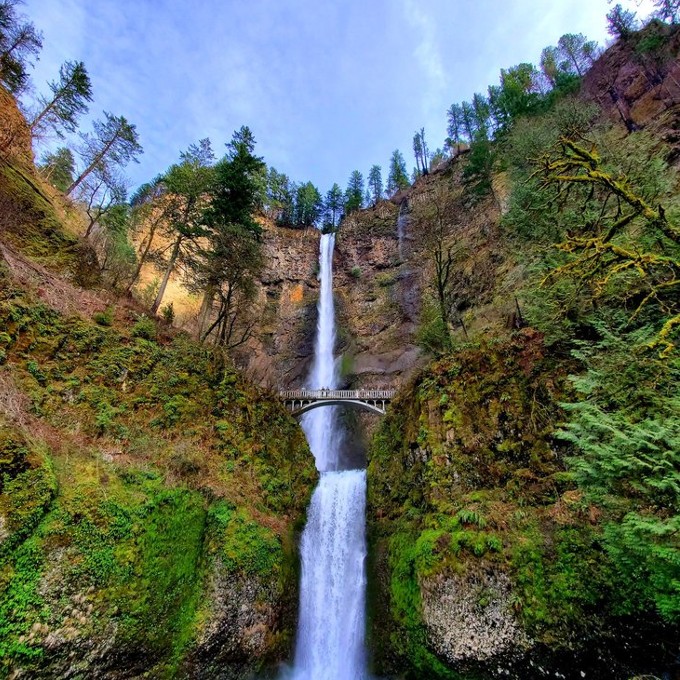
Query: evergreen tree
114, 142
398, 177
226, 267
549, 64
58, 167
497, 109
308, 205
375, 183
354, 194
482, 113
576, 52
19, 45
68, 100
420, 152
468, 120
621, 23
454, 127
438, 156
148, 213
668, 10
334, 206
187, 184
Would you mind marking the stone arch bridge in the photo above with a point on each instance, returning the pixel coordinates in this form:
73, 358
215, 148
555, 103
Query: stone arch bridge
301, 401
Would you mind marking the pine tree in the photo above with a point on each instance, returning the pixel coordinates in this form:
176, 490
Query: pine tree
308, 205
334, 206
375, 183
397, 178
226, 267
187, 184
114, 141
19, 45
58, 167
621, 23
68, 101
354, 194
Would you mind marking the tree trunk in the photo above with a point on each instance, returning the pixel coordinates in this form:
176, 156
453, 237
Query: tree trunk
97, 159
206, 310
166, 276
142, 258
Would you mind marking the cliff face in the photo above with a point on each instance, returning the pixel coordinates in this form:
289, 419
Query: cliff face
282, 342
486, 560
637, 83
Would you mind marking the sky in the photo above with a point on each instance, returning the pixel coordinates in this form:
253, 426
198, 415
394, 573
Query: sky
327, 87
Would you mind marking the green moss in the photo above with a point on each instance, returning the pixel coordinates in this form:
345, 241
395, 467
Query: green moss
148, 426
32, 223
243, 545
27, 487
465, 475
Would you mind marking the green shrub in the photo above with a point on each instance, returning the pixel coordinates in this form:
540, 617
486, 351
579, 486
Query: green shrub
144, 328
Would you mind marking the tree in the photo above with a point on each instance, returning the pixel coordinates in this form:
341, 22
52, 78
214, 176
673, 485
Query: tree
334, 206
118, 255
226, 267
148, 213
668, 10
468, 120
397, 178
68, 101
433, 220
420, 151
19, 45
520, 91
308, 205
354, 194
576, 53
454, 128
102, 190
621, 23
549, 64
438, 156
114, 141
187, 184
497, 108
375, 183
646, 270
482, 113
58, 167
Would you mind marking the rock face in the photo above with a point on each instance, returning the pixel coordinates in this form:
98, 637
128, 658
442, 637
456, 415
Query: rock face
468, 618
379, 298
282, 341
247, 615
638, 85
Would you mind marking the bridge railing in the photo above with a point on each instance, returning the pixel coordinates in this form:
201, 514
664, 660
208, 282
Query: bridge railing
337, 394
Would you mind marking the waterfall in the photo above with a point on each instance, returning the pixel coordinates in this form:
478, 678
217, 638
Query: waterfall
330, 637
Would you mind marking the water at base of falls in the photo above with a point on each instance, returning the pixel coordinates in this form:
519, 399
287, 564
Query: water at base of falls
330, 644
330, 636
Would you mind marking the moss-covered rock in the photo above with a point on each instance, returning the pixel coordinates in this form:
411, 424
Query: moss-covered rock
149, 528
486, 560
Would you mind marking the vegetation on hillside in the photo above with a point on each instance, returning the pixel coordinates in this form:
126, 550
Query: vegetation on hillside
551, 457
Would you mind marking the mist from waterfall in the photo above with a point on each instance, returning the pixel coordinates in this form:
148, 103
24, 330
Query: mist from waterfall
330, 637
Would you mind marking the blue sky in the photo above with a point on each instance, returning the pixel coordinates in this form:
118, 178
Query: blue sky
327, 87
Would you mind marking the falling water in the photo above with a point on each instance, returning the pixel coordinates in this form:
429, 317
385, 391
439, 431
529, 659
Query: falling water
330, 638
402, 220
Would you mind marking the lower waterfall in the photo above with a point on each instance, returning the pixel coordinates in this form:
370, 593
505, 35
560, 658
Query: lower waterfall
330, 636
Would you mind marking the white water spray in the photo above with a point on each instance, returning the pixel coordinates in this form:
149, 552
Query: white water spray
330, 638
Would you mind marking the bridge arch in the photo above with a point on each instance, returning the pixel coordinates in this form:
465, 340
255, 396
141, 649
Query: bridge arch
304, 400
354, 403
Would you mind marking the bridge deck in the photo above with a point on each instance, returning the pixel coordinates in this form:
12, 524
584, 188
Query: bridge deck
337, 394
